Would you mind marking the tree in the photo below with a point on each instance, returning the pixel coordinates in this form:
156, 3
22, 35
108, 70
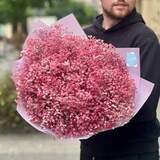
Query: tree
14, 11
84, 13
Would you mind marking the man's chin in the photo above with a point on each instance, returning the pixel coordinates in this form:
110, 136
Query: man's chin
116, 13
120, 14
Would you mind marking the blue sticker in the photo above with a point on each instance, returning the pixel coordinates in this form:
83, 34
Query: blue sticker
131, 59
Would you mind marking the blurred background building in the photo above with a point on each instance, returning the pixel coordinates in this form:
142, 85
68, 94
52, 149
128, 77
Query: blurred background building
150, 9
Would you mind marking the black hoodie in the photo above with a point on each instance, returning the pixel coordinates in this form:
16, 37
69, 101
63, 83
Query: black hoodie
139, 134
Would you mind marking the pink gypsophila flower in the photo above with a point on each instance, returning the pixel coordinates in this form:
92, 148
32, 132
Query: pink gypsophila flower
72, 85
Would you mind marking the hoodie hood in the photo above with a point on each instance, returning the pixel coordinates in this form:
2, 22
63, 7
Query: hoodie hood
134, 17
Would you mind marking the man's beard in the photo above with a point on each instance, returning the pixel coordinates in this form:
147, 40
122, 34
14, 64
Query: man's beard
110, 13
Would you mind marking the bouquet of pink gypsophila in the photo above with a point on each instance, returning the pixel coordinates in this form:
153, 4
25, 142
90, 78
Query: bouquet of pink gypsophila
71, 86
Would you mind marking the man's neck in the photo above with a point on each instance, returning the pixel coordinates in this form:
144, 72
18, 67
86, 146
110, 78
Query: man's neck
108, 22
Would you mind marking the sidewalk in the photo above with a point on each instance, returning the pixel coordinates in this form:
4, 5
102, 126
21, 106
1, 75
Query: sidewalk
37, 147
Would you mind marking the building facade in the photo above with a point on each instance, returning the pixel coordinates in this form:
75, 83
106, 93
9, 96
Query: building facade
150, 9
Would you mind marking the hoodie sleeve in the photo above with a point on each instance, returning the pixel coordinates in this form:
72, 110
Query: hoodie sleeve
149, 57
150, 70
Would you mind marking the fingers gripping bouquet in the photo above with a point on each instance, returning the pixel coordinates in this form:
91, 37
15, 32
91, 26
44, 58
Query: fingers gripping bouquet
71, 86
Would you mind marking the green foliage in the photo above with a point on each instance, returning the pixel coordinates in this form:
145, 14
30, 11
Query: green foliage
15, 11
10, 120
84, 13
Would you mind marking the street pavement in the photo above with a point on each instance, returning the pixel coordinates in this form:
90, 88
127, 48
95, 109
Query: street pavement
37, 147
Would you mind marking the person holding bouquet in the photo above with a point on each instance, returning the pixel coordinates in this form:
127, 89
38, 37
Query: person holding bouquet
121, 25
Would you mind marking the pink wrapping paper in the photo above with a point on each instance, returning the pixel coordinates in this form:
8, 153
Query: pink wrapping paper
144, 87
